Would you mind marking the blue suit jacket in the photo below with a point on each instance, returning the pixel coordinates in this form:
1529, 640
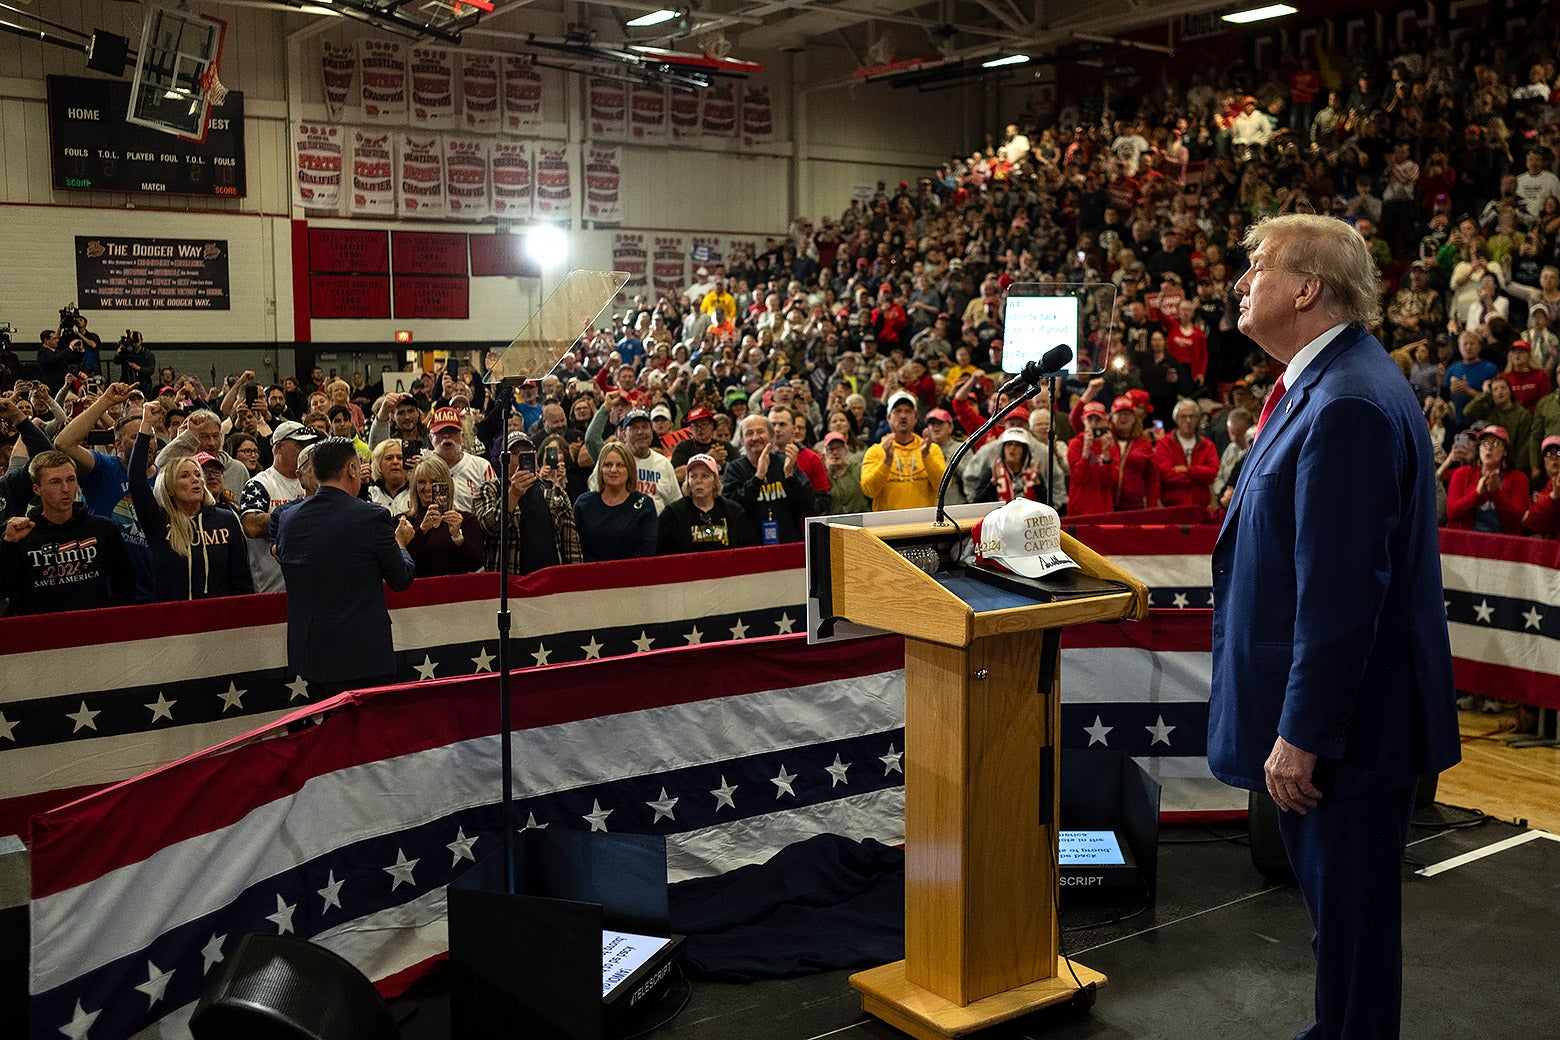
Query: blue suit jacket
1329, 627
337, 554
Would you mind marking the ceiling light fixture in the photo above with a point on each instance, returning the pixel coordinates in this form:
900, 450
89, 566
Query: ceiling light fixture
1011, 59
1258, 14
653, 18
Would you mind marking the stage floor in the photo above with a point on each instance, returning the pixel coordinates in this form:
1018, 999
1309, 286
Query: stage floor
1224, 954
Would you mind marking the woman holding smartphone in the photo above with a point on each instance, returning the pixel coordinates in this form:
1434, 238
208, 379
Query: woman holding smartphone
445, 540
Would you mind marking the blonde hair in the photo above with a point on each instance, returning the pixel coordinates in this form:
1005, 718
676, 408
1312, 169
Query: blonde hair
619, 449
438, 473
181, 528
1329, 250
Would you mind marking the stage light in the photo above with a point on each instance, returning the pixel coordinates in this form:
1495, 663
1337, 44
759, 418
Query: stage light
1011, 59
653, 18
547, 245
1257, 14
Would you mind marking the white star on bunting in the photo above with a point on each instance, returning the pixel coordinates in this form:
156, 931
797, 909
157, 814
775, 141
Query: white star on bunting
1178, 600
592, 649
156, 983
1484, 611
401, 870
1532, 619
739, 630
7, 728
460, 848
783, 783
211, 953
83, 718
426, 669
597, 817
483, 661
298, 689
663, 807
161, 708
837, 771
892, 761
695, 637
541, 654
233, 697
80, 1021
283, 916
1159, 732
531, 824
644, 642
785, 624
331, 893
1097, 732
724, 795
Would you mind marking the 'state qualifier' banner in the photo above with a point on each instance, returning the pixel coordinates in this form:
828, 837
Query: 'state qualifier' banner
152, 273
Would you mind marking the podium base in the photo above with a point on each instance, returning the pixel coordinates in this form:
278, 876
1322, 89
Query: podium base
886, 994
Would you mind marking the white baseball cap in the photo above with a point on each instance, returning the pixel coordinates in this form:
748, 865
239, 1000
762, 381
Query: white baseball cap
1024, 537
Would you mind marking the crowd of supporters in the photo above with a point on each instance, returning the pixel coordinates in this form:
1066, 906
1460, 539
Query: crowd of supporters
841, 367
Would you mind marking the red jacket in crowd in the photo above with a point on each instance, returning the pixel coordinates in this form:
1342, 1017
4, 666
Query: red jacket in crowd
1186, 482
1463, 499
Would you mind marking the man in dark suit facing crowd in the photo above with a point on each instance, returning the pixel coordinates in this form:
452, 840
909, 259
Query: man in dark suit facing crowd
337, 553
1332, 680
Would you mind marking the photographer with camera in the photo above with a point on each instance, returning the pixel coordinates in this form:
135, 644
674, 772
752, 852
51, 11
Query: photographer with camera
137, 365
56, 355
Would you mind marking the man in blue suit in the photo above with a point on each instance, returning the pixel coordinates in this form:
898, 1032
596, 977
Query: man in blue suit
1332, 680
337, 553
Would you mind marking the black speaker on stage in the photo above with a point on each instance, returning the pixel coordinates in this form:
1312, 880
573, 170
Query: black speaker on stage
278, 987
1267, 845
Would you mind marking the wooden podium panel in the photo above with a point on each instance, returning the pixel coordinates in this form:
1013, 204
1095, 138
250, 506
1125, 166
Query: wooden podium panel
982, 784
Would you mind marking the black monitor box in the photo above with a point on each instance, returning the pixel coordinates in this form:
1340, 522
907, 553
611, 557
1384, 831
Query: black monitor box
580, 951
1110, 828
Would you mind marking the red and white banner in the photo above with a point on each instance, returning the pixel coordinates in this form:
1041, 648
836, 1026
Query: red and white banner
758, 115
433, 87
384, 80
513, 179
669, 264
604, 184
739, 246
338, 73
1503, 614
554, 183
480, 98
467, 175
718, 112
373, 173
647, 114
608, 107
419, 176
317, 184
683, 113
522, 93
629, 256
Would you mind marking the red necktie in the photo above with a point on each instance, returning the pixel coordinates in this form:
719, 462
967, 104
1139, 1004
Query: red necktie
1268, 405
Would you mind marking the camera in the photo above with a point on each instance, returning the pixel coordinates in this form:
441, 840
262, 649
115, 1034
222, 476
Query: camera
69, 315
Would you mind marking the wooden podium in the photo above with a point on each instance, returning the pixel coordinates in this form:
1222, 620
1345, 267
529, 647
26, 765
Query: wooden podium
982, 779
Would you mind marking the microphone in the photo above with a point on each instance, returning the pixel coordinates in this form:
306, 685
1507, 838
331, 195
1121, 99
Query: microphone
1052, 362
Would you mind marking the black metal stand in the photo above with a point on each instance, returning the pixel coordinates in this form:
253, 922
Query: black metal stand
503, 392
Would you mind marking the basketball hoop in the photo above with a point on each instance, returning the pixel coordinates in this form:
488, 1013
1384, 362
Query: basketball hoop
212, 87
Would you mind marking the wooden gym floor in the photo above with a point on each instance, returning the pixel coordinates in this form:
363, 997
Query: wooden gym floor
1512, 784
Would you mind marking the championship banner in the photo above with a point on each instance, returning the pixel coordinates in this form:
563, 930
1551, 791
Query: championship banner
347, 833
647, 114
758, 115
384, 80
554, 184
419, 175
682, 113
522, 93
338, 71
738, 247
628, 256
603, 184
467, 176
373, 173
718, 112
669, 264
317, 184
479, 93
608, 107
512, 179
433, 87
